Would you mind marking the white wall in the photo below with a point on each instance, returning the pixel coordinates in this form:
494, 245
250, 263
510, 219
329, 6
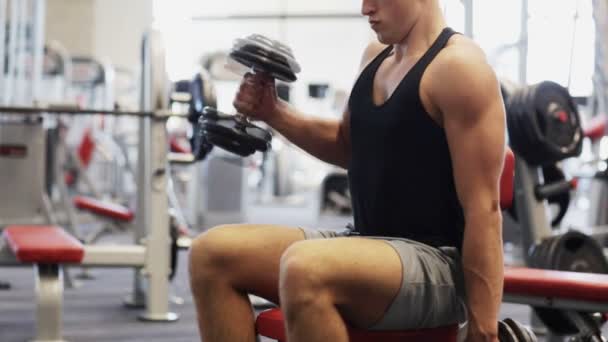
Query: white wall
119, 26
554, 37
71, 23
110, 29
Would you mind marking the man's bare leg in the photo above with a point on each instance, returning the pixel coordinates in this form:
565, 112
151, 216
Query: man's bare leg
228, 262
324, 283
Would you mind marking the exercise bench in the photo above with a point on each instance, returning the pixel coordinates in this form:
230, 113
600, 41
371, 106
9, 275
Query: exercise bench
116, 215
47, 247
568, 292
536, 287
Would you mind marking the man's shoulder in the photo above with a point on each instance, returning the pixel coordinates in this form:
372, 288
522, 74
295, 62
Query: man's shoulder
461, 78
460, 52
373, 49
462, 62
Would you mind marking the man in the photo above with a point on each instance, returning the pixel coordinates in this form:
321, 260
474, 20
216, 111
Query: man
423, 141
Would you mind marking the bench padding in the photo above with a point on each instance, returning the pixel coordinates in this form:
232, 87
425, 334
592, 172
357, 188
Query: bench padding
43, 244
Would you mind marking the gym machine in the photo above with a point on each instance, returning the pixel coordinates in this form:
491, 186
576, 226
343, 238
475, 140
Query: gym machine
150, 252
544, 129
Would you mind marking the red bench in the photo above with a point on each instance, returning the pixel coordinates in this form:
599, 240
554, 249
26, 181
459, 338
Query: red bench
106, 209
43, 244
554, 289
47, 247
567, 290
270, 324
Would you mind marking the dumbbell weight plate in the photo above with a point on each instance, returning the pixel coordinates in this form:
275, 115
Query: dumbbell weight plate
572, 251
249, 134
518, 330
578, 252
551, 99
230, 134
271, 52
254, 61
274, 45
240, 43
505, 333
200, 145
230, 145
256, 50
531, 335
270, 42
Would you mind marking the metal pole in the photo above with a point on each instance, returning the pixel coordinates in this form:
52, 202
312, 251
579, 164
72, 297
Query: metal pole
143, 175
599, 192
468, 18
39, 9
600, 77
3, 10
22, 45
154, 82
532, 217
12, 51
523, 43
66, 62
531, 213
108, 92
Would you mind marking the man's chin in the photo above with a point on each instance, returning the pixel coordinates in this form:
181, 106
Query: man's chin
382, 39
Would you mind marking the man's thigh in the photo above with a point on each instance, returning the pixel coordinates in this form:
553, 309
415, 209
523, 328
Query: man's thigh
248, 255
385, 284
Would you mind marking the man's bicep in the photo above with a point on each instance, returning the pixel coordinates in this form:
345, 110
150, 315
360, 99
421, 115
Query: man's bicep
477, 150
474, 121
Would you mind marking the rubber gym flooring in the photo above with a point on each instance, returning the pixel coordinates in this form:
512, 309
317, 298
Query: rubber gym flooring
94, 311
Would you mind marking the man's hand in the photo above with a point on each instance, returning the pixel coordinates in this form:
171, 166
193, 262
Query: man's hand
477, 333
257, 97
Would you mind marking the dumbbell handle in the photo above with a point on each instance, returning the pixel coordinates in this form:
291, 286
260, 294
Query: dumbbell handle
241, 119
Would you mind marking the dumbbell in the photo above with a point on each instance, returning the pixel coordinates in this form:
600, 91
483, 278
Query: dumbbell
512, 331
235, 133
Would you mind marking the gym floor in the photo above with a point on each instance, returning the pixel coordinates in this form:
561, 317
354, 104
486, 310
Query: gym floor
94, 311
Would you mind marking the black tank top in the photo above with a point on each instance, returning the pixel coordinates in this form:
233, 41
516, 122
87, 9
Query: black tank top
400, 172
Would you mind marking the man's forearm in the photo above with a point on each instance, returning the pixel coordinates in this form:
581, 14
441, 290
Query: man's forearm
321, 138
483, 273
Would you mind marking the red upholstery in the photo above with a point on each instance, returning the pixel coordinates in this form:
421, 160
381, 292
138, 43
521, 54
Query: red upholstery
43, 244
560, 284
270, 324
177, 147
106, 209
86, 148
506, 180
596, 128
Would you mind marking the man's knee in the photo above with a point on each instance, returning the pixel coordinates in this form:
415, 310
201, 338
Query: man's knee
303, 278
213, 251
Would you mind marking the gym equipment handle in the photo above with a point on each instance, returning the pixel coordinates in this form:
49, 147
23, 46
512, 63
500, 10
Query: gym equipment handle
545, 191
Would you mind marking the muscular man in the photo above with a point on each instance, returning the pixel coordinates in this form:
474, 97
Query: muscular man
423, 141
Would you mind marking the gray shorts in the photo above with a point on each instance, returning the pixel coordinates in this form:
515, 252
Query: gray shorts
432, 290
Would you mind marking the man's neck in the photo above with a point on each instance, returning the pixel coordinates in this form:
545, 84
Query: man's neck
423, 33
